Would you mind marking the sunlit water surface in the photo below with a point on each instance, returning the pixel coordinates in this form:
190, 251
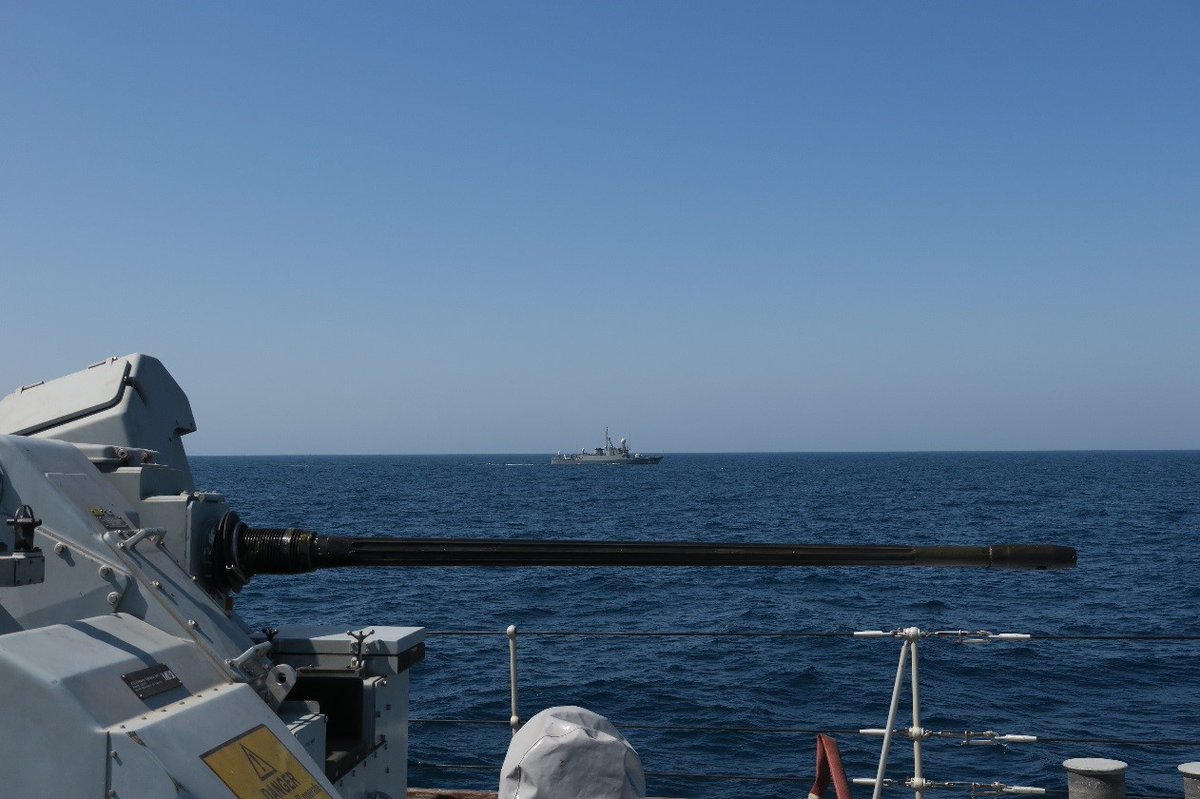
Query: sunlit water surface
1132, 516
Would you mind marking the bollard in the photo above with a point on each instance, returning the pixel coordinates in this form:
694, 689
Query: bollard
1095, 778
1191, 780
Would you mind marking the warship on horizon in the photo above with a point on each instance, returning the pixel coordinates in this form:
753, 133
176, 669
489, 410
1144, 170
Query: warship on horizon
608, 454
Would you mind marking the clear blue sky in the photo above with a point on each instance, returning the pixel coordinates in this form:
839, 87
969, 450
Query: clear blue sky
499, 227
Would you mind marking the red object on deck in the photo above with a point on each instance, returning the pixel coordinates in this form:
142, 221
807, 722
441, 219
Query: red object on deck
829, 768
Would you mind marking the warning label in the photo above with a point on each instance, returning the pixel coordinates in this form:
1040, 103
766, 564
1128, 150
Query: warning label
256, 765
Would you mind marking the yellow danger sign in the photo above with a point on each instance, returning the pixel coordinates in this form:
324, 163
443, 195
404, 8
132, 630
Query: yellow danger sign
256, 765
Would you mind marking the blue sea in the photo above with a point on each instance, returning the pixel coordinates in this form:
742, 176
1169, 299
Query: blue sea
668, 654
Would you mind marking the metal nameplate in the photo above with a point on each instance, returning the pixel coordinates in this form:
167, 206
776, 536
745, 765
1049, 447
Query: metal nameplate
110, 519
152, 681
256, 764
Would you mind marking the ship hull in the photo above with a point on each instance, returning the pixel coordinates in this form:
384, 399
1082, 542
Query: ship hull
605, 460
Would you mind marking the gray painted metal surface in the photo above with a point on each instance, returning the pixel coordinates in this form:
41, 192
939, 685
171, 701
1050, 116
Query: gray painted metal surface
118, 649
1191, 779
1095, 778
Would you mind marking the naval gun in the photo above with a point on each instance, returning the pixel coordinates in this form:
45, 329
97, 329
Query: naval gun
238, 552
118, 639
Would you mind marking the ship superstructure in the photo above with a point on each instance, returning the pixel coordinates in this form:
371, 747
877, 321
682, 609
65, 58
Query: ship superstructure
608, 455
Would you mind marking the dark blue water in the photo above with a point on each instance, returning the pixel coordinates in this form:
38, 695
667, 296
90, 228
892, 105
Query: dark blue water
1134, 517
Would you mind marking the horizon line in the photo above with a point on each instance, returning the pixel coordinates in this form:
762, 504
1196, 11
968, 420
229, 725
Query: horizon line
694, 452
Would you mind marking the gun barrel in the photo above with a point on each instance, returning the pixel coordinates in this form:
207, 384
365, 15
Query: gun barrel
238, 552
331, 551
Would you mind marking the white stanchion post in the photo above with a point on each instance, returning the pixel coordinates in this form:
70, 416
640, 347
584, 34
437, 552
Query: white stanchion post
913, 635
891, 721
514, 719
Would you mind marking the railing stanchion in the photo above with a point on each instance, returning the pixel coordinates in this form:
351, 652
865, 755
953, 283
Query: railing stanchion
913, 635
891, 721
514, 719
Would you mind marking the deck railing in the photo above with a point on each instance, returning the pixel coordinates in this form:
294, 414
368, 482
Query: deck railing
908, 667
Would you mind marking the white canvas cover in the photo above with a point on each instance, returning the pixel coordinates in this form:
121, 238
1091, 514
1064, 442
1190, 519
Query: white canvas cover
571, 753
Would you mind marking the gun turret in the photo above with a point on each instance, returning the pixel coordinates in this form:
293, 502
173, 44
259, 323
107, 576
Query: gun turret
238, 552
